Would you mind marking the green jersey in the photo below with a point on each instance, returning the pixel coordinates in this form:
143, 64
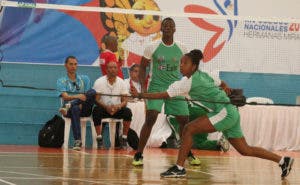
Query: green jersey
165, 63
201, 88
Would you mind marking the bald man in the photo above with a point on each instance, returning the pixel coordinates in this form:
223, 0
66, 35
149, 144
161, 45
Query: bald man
111, 106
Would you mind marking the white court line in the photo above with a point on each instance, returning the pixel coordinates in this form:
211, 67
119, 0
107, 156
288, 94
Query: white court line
73, 168
6, 182
81, 152
106, 155
128, 156
109, 181
13, 154
187, 169
45, 177
100, 179
199, 171
22, 173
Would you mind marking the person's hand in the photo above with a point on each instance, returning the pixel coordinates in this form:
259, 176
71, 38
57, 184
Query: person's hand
82, 97
108, 109
114, 109
144, 90
227, 90
134, 92
111, 109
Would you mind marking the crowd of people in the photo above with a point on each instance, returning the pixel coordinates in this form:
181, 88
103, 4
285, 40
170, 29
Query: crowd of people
174, 77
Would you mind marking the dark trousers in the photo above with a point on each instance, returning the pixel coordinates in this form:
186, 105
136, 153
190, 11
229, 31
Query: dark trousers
99, 113
75, 112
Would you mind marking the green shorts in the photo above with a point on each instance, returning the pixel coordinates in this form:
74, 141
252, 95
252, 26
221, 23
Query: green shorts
172, 107
196, 112
227, 120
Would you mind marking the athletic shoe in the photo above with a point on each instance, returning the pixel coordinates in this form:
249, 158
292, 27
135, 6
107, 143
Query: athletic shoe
286, 166
64, 110
193, 160
174, 172
77, 145
224, 144
137, 159
100, 142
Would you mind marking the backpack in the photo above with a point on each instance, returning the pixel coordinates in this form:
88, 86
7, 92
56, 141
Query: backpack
52, 133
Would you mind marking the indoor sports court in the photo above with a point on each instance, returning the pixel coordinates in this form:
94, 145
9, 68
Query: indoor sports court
34, 165
149, 92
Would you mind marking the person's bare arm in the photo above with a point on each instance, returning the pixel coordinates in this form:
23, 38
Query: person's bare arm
158, 95
108, 108
122, 104
225, 87
99, 102
142, 74
66, 97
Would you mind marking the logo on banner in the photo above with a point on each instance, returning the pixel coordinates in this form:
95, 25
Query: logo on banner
224, 7
22, 4
272, 30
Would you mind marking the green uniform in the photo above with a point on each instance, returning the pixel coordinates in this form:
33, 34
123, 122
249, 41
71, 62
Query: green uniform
200, 86
164, 70
200, 141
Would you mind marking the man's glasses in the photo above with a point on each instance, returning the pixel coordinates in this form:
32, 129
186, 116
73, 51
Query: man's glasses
76, 86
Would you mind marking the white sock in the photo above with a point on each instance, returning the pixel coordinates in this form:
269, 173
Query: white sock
281, 161
179, 167
99, 136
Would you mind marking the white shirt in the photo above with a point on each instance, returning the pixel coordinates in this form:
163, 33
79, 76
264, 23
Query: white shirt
181, 87
102, 85
137, 85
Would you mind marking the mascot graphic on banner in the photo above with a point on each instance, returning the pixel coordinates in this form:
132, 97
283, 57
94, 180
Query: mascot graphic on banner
134, 32
227, 7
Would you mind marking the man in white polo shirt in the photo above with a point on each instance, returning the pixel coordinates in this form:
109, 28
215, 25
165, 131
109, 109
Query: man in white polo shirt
111, 106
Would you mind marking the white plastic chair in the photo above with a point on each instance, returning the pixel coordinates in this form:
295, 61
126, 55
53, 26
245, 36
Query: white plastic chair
83, 121
298, 100
260, 100
112, 123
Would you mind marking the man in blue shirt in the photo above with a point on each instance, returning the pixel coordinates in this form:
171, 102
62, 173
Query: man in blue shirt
75, 90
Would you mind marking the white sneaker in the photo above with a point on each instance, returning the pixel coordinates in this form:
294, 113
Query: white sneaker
77, 145
224, 144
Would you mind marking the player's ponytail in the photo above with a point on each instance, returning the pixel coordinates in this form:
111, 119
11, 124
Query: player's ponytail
195, 55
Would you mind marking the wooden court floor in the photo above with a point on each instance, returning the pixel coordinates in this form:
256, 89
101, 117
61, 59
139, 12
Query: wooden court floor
33, 165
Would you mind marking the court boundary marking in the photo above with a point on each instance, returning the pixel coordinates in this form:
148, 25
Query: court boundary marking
6, 182
86, 180
49, 177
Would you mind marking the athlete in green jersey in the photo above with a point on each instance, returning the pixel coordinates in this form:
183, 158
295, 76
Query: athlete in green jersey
224, 117
164, 60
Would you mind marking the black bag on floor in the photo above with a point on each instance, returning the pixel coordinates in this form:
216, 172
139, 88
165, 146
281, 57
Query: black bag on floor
52, 133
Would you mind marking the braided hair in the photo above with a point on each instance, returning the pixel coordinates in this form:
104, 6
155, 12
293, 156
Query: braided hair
195, 55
